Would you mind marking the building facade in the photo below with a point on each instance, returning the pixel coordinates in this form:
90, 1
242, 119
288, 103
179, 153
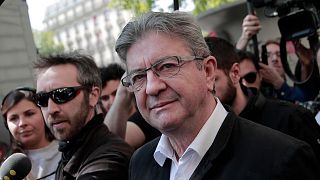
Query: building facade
89, 25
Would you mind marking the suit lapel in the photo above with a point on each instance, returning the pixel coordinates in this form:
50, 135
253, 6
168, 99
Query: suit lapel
219, 144
164, 172
158, 172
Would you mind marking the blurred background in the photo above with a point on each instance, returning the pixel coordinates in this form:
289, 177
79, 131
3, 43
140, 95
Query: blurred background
34, 27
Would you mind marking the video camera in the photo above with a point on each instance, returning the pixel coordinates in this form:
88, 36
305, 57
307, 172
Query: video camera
297, 19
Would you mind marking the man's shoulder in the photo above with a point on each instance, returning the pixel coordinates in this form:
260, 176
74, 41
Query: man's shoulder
148, 148
102, 154
295, 115
101, 143
143, 159
247, 131
144, 154
264, 140
241, 142
285, 107
105, 141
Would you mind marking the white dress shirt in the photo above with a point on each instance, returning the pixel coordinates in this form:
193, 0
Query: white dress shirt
186, 165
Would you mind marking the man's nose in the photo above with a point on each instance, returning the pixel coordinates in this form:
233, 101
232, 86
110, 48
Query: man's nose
154, 83
52, 107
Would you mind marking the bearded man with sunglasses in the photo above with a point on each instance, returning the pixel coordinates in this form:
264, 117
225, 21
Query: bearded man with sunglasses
249, 103
250, 76
68, 89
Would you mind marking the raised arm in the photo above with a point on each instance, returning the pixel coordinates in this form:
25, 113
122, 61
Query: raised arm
120, 111
250, 26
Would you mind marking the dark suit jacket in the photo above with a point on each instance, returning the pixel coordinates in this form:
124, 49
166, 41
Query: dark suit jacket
241, 150
286, 117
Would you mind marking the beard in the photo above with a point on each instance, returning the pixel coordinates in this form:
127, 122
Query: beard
76, 122
229, 94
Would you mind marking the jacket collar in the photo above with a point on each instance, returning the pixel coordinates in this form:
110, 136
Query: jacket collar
254, 106
216, 149
69, 147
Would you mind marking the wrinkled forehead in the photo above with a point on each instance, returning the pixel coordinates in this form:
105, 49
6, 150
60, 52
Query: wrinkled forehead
154, 46
56, 77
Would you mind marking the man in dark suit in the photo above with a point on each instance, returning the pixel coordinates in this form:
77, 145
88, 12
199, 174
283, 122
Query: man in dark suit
172, 74
249, 103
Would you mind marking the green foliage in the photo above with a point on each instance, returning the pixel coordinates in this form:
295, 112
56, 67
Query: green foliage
45, 43
137, 6
204, 5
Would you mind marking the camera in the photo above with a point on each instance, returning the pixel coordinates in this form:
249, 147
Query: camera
297, 19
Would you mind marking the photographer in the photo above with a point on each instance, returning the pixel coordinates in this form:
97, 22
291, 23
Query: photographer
249, 103
274, 74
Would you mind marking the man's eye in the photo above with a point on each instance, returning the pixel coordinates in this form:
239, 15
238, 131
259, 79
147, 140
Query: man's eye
166, 66
138, 77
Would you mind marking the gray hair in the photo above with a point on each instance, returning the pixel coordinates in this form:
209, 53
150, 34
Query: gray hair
178, 24
88, 72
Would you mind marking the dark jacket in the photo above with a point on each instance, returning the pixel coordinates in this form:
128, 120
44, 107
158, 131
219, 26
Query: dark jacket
283, 116
95, 153
242, 150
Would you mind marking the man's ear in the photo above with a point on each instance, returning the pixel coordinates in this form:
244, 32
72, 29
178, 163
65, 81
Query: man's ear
235, 73
210, 67
94, 96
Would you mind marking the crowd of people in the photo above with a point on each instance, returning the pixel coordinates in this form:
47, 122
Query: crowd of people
180, 106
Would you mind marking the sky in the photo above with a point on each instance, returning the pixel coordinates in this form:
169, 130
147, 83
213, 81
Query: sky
37, 10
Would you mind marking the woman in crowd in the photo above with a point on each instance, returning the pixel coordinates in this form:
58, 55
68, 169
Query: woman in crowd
29, 134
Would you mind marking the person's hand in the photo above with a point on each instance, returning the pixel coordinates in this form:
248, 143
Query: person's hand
305, 55
121, 109
250, 27
124, 96
271, 76
306, 59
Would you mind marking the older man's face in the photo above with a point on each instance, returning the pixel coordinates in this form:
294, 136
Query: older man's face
167, 103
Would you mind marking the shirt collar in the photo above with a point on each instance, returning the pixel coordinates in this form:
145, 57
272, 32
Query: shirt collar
201, 143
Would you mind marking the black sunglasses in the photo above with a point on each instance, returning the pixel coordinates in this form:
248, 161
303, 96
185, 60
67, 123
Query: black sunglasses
58, 96
250, 77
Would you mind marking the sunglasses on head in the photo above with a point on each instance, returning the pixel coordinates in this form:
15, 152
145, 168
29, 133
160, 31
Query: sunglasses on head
250, 77
27, 92
58, 96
